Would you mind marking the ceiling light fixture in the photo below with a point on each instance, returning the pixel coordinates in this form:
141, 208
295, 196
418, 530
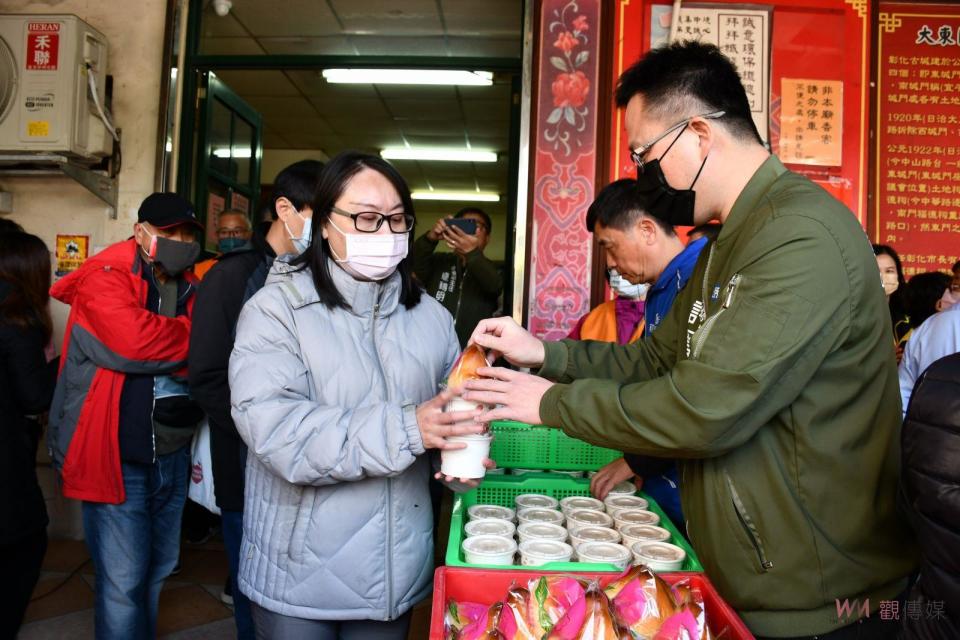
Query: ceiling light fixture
408, 76
238, 152
462, 196
438, 153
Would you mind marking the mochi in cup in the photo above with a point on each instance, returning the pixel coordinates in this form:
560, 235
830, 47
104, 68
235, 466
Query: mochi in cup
466, 462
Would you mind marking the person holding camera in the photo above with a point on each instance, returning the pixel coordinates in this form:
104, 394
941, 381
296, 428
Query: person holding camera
465, 281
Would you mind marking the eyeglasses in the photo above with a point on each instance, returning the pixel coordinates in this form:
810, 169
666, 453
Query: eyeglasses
637, 154
232, 233
371, 221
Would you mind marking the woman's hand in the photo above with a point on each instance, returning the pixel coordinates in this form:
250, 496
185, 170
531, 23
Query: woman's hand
608, 477
504, 337
436, 426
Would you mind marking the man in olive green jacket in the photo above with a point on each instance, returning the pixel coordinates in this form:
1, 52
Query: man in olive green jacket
772, 379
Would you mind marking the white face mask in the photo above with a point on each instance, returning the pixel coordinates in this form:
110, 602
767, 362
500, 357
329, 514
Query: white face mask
890, 283
623, 287
372, 256
302, 243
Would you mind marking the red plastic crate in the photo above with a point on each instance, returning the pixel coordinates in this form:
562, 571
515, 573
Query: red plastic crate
486, 587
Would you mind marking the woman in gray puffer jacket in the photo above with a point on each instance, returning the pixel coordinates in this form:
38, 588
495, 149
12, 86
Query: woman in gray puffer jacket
333, 380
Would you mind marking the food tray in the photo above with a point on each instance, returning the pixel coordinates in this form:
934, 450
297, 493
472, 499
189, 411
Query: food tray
486, 587
501, 490
516, 444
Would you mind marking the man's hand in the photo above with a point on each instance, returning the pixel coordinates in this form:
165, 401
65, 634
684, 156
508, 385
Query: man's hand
436, 426
470, 483
461, 243
518, 393
608, 477
436, 233
504, 337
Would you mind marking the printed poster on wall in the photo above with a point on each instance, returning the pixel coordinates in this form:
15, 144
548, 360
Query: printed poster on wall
71, 252
215, 206
811, 122
742, 34
240, 202
918, 134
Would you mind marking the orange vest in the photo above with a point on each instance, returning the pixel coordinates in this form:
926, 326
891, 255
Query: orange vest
200, 269
601, 324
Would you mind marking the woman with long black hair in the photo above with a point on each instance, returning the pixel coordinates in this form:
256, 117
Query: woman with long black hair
26, 388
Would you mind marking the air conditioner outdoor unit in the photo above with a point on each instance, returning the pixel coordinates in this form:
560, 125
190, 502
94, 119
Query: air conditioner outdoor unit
52, 88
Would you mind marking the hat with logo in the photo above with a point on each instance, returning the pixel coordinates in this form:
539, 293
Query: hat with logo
166, 210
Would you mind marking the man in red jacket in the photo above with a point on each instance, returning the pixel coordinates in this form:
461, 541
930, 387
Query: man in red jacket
122, 420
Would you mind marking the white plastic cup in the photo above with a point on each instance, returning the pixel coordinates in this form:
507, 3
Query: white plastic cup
581, 535
633, 533
517, 471
588, 518
540, 515
572, 503
625, 488
484, 511
493, 550
541, 531
466, 462
499, 471
534, 553
459, 404
659, 556
625, 517
618, 502
572, 474
535, 501
490, 527
607, 552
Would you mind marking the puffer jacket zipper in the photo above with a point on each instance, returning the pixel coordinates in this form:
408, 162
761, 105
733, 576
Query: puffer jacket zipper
389, 513
749, 526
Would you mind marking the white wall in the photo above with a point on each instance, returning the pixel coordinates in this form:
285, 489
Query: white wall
51, 205
276, 160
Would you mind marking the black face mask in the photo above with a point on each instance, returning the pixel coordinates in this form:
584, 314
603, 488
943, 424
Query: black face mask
172, 256
674, 206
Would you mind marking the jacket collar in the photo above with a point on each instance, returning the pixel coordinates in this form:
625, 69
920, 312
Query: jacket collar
362, 297
679, 269
768, 173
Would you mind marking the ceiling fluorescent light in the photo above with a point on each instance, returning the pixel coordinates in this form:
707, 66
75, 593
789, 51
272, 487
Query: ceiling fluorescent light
238, 152
408, 76
438, 153
461, 196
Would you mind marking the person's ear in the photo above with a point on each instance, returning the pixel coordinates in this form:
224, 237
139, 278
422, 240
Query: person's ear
284, 207
706, 134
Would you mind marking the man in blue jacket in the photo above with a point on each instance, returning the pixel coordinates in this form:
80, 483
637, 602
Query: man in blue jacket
643, 249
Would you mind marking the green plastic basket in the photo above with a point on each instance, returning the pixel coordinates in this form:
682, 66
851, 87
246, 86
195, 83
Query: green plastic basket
501, 490
516, 444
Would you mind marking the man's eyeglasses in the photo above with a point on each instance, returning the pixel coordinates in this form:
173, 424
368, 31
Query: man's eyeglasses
232, 233
637, 154
371, 221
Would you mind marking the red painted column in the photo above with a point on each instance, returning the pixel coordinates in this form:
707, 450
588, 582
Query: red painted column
564, 164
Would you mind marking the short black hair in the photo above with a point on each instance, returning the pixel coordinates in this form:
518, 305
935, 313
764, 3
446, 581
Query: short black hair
337, 173
9, 226
686, 79
297, 183
478, 211
619, 205
923, 291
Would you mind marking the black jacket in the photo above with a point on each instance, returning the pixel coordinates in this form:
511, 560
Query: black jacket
26, 388
224, 290
930, 493
470, 291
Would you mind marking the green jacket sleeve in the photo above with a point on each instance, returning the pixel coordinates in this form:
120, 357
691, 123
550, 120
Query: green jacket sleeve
423, 258
484, 273
790, 309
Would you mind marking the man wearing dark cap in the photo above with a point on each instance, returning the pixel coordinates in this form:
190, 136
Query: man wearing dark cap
122, 419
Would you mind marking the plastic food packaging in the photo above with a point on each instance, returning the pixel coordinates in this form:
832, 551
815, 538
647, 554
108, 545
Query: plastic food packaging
608, 552
540, 515
483, 511
659, 556
624, 517
625, 488
541, 531
573, 503
580, 535
472, 621
466, 462
588, 518
490, 527
599, 622
537, 552
642, 601
535, 501
633, 533
614, 503
493, 550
